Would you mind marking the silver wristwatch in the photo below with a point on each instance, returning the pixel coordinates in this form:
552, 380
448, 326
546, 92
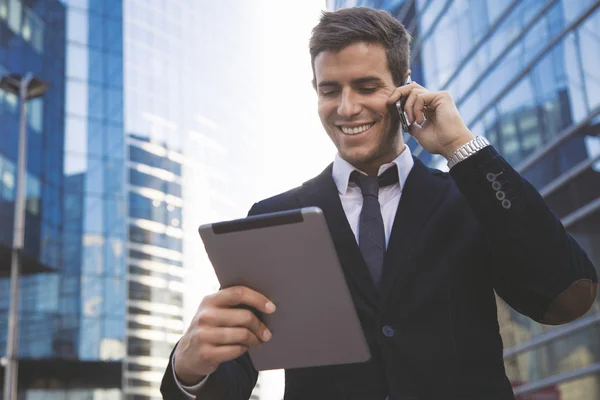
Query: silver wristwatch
467, 150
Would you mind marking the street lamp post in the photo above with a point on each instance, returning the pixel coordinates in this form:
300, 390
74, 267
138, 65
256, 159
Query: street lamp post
26, 87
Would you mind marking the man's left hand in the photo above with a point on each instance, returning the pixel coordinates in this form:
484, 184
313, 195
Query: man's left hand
436, 122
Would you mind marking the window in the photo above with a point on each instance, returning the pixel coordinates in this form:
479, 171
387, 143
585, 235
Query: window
15, 11
3, 9
77, 62
33, 195
77, 26
35, 114
140, 179
11, 102
33, 30
7, 179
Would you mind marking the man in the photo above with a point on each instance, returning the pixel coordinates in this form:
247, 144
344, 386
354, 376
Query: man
427, 303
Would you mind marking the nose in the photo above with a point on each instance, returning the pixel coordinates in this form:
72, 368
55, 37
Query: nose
348, 106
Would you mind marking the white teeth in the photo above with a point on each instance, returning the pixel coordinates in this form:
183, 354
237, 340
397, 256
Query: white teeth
357, 130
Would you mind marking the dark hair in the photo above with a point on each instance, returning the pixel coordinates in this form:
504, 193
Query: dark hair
338, 29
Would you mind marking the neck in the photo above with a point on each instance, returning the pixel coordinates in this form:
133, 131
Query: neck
372, 168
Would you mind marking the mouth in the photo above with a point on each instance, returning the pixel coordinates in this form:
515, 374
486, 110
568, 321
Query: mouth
355, 130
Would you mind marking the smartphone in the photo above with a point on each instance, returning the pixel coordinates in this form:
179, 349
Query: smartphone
400, 106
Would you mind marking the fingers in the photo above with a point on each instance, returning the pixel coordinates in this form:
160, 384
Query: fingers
230, 337
403, 92
222, 330
214, 317
414, 106
240, 295
417, 101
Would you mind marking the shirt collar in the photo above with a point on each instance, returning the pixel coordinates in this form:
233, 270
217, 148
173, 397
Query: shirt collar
342, 169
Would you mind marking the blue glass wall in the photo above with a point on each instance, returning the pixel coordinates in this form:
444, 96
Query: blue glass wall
525, 75
32, 38
94, 277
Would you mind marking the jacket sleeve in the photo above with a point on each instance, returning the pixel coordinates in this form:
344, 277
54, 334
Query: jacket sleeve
538, 268
233, 380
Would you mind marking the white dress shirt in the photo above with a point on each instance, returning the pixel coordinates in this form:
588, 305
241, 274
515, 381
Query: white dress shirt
389, 196
352, 201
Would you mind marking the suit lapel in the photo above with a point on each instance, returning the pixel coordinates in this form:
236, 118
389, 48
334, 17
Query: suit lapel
421, 196
322, 192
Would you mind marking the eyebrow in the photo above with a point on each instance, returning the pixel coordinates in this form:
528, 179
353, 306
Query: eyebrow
354, 82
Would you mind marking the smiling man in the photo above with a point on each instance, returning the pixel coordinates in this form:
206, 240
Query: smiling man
423, 251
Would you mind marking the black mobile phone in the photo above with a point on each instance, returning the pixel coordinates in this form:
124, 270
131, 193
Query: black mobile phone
400, 106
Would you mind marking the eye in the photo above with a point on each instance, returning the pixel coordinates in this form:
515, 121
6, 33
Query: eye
328, 92
367, 89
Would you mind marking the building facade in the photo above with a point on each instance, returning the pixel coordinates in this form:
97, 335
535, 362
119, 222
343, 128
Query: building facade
524, 74
185, 149
72, 329
32, 40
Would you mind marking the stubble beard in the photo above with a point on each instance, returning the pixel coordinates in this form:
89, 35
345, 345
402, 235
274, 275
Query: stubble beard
385, 151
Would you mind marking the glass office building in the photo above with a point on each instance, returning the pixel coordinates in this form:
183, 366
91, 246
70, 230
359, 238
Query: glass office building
72, 330
180, 144
525, 74
32, 40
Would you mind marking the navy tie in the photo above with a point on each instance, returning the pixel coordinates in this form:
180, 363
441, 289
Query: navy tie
371, 233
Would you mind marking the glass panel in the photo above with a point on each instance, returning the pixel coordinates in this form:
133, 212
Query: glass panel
11, 101
143, 236
589, 45
15, 12
587, 234
77, 62
510, 28
76, 138
578, 192
7, 179
77, 98
560, 160
33, 193
35, 109
77, 26
33, 30
3, 9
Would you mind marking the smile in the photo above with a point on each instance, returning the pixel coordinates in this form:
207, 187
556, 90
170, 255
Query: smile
356, 130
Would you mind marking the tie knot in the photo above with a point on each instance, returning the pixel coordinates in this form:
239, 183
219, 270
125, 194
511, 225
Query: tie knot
369, 185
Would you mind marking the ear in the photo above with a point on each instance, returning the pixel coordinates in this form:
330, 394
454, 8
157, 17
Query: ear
407, 74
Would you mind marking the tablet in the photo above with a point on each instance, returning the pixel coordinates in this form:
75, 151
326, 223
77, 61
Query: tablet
289, 257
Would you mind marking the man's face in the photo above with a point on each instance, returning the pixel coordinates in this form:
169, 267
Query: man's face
353, 86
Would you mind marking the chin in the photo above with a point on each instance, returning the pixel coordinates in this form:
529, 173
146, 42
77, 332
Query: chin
357, 158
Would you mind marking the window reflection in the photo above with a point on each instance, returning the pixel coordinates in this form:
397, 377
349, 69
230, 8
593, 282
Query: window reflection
15, 9
33, 193
77, 62
77, 26
35, 114
579, 191
7, 179
3, 9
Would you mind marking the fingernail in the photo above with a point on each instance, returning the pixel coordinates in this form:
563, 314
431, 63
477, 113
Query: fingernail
270, 307
267, 335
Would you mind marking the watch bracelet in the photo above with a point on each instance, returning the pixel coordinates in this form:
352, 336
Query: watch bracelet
467, 150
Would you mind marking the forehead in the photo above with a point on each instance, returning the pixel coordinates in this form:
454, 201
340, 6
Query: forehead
352, 62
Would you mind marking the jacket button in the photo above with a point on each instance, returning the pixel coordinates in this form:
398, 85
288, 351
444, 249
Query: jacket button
506, 203
490, 177
496, 185
500, 195
388, 331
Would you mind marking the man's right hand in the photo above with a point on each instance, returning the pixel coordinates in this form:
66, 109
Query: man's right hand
221, 331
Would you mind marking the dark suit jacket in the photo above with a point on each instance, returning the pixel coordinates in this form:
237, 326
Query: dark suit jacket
433, 329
